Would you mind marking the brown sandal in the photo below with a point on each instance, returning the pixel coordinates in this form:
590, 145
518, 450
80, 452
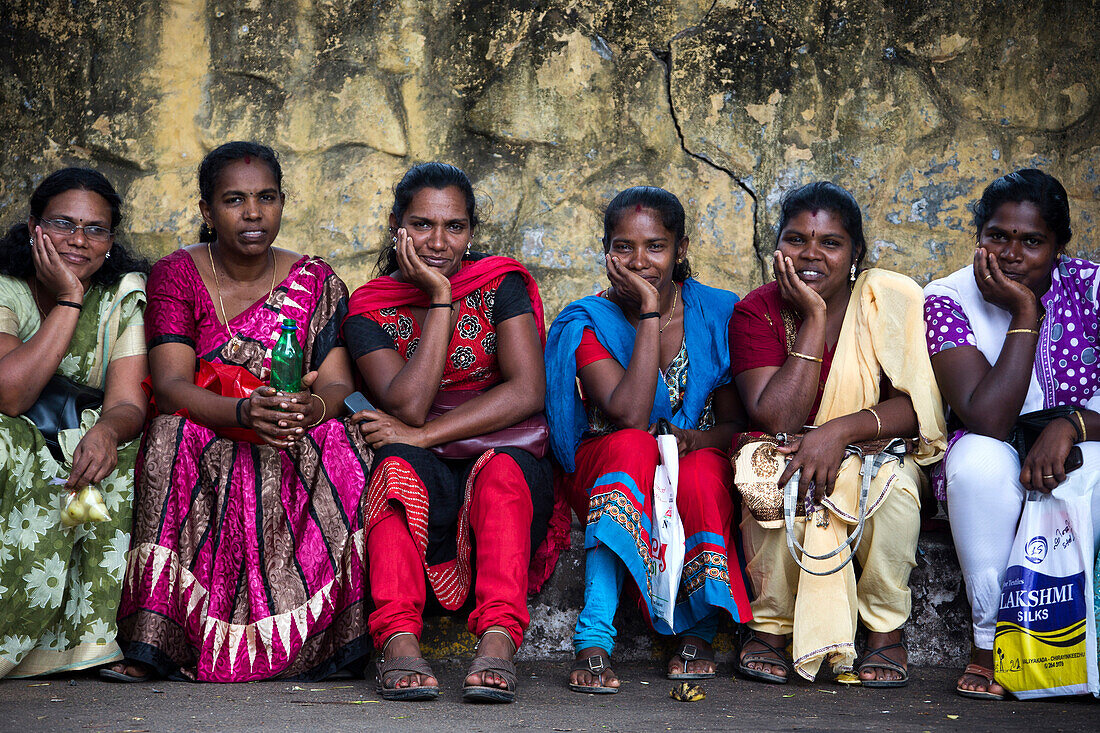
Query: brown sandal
985, 673
392, 670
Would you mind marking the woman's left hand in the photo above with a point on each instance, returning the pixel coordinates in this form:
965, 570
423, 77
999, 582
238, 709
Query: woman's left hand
819, 454
303, 409
1045, 465
686, 440
95, 456
380, 429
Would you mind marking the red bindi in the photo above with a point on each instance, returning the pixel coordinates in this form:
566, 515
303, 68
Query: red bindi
637, 208
248, 160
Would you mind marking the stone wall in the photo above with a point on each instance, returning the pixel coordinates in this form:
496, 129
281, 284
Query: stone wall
553, 106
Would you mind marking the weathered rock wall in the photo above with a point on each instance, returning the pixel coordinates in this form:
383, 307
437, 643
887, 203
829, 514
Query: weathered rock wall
553, 106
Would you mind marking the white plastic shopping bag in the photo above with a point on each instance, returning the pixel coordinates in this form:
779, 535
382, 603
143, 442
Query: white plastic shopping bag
666, 546
1046, 627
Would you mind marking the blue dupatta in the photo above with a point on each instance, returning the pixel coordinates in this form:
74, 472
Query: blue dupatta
707, 312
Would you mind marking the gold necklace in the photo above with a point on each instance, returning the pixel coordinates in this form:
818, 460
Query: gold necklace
218, 287
675, 292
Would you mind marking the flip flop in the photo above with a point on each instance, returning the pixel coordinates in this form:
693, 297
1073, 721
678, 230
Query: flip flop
506, 668
392, 670
106, 673
597, 666
690, 653
979, 671
775, 658
864, 663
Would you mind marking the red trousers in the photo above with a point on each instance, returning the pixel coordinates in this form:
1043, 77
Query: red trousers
500, 515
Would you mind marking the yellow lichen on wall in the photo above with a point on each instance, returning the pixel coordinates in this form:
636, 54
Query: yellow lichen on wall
553, 107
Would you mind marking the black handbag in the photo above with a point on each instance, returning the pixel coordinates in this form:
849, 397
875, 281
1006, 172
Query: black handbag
1030, 425
59, 407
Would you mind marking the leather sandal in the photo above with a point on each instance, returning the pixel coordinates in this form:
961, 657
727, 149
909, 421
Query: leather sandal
865, 663
504, 668
986, 673
689, 652
596, 665
392, 670
772, 656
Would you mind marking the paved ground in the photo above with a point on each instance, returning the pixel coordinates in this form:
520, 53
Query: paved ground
82, 702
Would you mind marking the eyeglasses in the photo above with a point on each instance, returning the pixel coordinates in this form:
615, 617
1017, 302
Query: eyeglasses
64, 226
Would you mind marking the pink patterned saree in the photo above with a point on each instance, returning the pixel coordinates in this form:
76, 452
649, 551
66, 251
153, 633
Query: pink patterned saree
247, 562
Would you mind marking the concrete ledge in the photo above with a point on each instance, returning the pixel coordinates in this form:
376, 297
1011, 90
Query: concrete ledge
938, 628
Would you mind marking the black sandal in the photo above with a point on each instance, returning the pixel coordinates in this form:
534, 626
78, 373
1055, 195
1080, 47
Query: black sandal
863, 663
597, 666
691, 653
776, 658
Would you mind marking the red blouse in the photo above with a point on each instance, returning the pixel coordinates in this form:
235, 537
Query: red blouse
760, 336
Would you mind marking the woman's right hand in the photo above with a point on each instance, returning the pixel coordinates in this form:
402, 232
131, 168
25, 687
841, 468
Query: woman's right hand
631, 286
791, 288
52, 271
415, 272
1001, 290
266, 408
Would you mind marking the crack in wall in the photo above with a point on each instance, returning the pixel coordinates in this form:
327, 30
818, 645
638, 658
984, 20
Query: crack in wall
763, 258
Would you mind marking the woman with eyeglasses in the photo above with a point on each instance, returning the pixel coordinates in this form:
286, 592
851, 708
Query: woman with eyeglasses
71, 302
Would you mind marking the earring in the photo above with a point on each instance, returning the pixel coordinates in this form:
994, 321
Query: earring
31, 241
394, 240
852, 273
468, 245
108, 255
679, 260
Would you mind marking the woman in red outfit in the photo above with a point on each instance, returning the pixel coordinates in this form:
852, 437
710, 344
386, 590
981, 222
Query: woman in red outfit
652, 346
441, 318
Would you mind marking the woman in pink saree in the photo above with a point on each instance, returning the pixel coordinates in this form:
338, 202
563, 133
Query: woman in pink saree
247, 558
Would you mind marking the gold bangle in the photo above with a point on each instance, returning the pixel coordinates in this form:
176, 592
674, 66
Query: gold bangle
807, 357
1084, 435
878, 421
324, 410
1022, 330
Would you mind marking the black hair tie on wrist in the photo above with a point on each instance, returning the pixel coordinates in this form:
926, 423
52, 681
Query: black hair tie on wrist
70, 304
651, 314
240, 413
441, 305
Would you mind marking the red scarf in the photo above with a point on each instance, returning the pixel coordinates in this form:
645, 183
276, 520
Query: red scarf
388, 292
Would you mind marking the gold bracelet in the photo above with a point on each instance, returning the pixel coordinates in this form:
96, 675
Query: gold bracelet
1084, 435
1022, 330
324, 410
878, 422
807, 357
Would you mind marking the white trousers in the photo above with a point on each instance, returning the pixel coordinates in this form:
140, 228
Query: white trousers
984, 502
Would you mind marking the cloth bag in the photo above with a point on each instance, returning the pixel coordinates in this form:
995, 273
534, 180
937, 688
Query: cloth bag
1045, 644
666, 557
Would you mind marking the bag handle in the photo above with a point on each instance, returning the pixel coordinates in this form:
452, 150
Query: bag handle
869, 468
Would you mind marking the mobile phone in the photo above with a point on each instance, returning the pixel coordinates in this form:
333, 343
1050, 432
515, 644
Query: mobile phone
356, 402
1074, 460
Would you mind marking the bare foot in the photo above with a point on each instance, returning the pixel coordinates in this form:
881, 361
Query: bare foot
695, 666
977, 683
586, 678
870, 671
754, 647
497, 645
407, 645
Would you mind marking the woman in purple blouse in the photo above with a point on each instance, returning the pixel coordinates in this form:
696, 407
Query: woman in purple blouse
1014, 333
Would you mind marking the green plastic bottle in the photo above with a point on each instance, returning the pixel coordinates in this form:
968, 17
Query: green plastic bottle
286, 360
